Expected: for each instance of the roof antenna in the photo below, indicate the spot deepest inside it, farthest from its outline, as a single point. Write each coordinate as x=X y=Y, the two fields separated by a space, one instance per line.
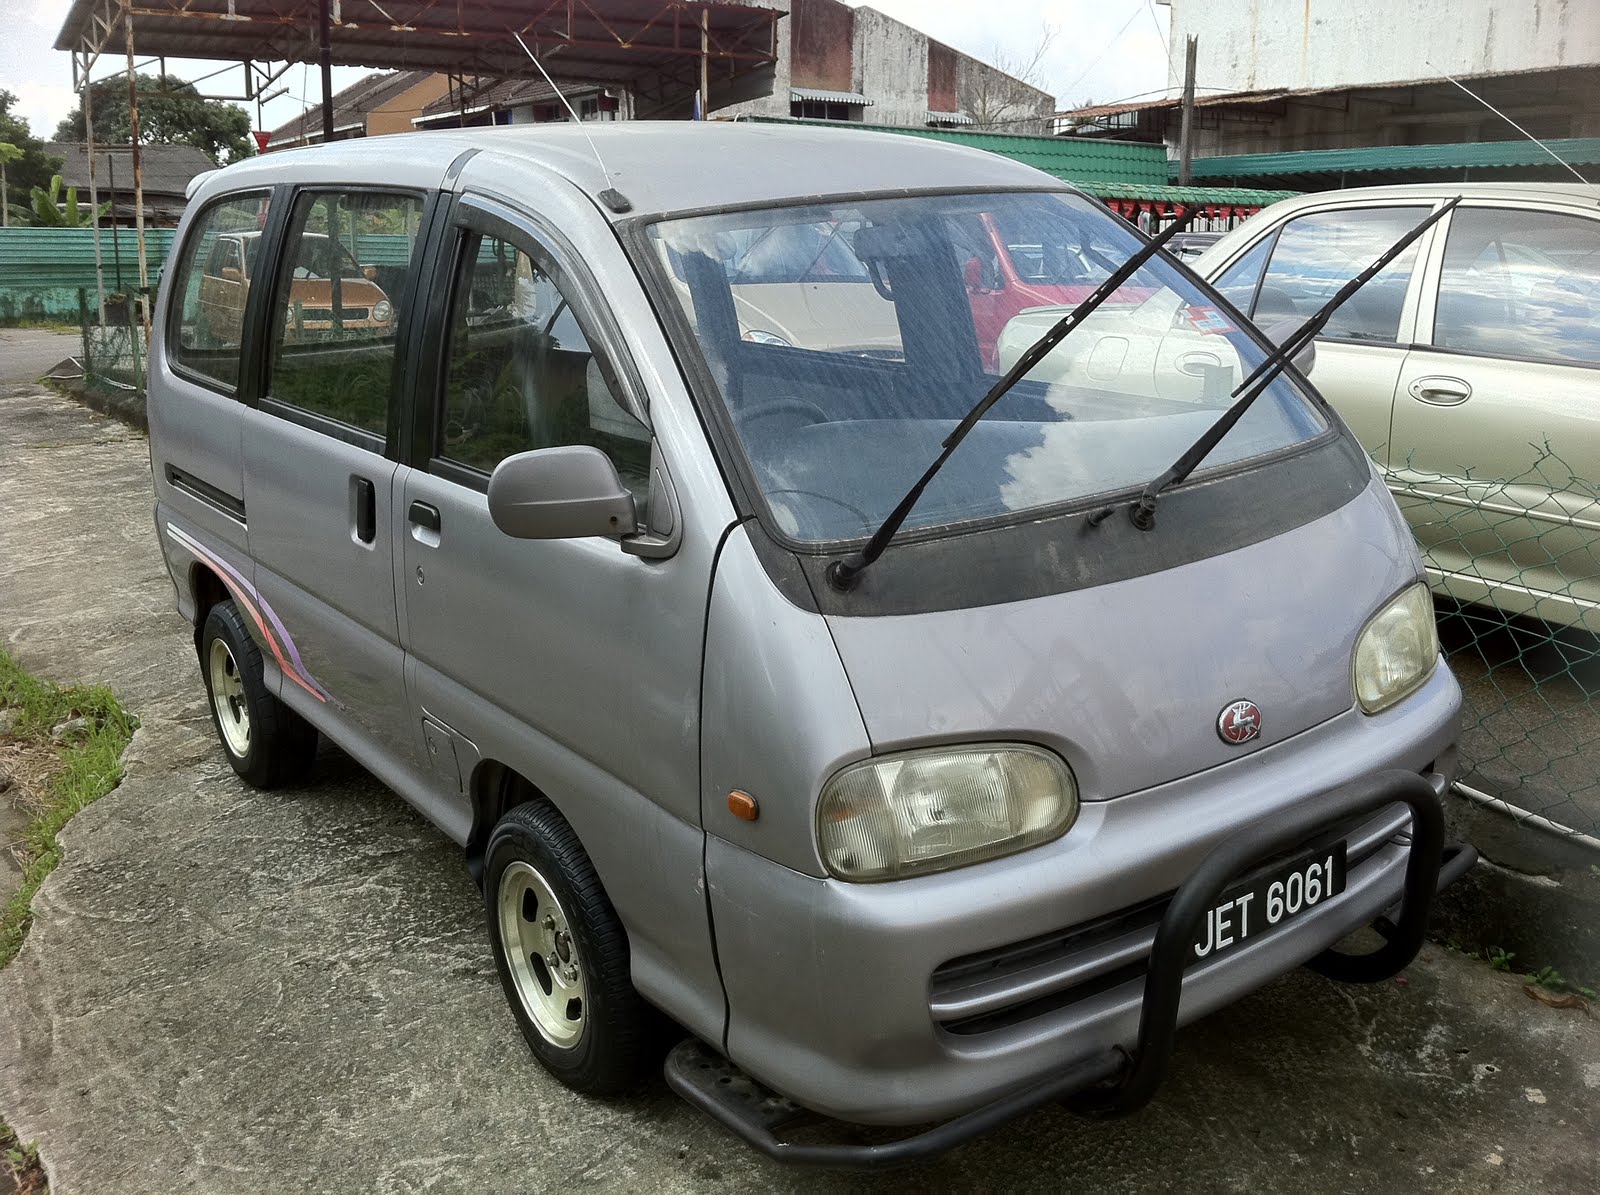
x=611 y=197
x=1559 y=159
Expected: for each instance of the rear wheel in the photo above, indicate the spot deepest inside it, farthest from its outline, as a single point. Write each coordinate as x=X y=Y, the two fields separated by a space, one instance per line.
x=562 y=953
x=267 y=743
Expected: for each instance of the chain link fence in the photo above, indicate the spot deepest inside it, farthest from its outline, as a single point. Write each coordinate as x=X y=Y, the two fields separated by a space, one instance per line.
x=1515 y=567
x=113 y=348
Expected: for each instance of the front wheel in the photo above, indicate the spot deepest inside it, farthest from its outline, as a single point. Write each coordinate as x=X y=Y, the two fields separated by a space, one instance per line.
x=562 y=953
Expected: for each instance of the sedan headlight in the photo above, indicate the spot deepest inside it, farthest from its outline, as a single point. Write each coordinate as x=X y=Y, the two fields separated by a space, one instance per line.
x=940 y=808
x=758 y=336
x=1397 y=651
x=383 y=311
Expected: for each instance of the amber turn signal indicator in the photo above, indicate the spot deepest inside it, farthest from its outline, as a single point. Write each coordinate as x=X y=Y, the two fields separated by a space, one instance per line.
x=743 y=805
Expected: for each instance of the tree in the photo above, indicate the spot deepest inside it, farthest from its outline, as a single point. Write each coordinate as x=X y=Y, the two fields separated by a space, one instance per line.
x=8 y=154
x=171 y=112
x=33 y=168
x=995 y=101
x=49 y=211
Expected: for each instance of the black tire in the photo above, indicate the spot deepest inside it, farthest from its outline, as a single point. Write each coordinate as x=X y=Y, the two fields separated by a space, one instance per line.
x=281 y=744
x=614 y=1044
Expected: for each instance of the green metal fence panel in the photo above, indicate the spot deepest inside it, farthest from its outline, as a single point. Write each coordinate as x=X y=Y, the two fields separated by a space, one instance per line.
x=41 y=269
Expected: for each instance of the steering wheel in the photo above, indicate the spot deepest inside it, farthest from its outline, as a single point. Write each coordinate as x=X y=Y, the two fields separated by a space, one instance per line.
x=781 y=406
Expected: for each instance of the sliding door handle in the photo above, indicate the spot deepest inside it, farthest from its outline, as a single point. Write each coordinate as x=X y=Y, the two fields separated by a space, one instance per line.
x=366 y=513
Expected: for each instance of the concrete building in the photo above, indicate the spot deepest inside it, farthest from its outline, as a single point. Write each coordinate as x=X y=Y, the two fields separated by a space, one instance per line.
x=382 y=102
x=1277 y=77
x=836 y=62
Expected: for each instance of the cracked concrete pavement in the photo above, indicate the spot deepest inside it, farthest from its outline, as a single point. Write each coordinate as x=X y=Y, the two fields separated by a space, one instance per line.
x=234 y=991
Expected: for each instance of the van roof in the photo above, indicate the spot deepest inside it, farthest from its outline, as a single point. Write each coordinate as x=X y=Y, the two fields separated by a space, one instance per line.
x=671 y=166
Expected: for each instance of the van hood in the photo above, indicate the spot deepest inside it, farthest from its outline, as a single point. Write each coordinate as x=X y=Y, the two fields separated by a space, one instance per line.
x=1127 y=680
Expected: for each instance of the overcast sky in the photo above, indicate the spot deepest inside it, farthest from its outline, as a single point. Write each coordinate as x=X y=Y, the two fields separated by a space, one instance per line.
x=1103 y=50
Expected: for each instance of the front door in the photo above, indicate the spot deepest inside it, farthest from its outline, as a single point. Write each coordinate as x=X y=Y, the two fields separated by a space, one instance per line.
x=318 y=476
x=573 y=662
x=1496 y=455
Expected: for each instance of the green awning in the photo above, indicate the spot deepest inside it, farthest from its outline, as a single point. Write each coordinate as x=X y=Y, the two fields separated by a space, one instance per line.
x=1471 y=155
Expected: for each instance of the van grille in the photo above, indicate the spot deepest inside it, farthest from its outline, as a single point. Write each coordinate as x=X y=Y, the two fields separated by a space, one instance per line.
x=1004 y=986
x=326 y=313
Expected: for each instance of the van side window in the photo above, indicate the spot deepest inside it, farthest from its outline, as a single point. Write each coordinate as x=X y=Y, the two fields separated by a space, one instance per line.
x=347 y=261
x=210 y=289
x=520 y=372
x=1521 y=284
x=1317 y=254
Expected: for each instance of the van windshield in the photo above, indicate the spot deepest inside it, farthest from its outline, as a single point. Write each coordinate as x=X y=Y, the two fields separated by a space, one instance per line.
x=846 y=341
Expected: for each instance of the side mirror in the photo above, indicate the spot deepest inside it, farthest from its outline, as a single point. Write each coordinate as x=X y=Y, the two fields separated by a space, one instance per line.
x=560 y=493
x=370 y=273
x=972 y=275
x=232 y=274
x=1279 y=331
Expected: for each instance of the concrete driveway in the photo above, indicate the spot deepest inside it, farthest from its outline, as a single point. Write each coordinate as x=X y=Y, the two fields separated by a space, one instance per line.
x=27 y=354
x=233 y=991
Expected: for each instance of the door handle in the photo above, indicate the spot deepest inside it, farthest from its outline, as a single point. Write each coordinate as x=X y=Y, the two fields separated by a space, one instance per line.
x=424 y=514
x=1440 y=391
x=366 y=509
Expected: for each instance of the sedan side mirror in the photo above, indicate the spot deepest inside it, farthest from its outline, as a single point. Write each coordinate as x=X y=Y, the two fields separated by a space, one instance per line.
x=1280 y=330
x=560 y=493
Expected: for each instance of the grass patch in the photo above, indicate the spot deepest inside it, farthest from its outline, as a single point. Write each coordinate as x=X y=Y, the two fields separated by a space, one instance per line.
x=22 y=1163
x=89 y=768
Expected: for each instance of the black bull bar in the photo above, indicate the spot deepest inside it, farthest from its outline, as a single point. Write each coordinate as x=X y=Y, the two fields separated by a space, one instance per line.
x=1120 y=1081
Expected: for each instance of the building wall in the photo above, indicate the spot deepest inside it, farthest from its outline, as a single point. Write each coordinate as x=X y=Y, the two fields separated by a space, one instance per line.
x=1256 y=45
x=902 y=70
x=394 y=116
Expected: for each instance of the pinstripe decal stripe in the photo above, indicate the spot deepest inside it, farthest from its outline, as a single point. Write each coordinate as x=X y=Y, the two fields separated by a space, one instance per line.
x=248 y=597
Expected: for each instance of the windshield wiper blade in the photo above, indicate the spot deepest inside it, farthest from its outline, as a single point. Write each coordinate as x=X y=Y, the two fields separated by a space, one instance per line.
x=843 y=574
x=1143 y=511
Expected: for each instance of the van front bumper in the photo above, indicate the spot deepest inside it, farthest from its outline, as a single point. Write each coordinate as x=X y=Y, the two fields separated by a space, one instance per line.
x=923 y=999
x=1114 y=1079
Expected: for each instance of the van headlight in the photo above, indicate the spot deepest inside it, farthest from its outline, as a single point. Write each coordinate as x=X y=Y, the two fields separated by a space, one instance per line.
x=1397 y=651
x=943 y=807
x=383 y=311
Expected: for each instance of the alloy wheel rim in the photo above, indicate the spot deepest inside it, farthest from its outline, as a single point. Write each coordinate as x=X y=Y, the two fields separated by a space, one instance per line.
x=227 y=698
x=542 y=955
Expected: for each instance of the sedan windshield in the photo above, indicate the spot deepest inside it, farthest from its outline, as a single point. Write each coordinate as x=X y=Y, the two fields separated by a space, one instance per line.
x=847 y=340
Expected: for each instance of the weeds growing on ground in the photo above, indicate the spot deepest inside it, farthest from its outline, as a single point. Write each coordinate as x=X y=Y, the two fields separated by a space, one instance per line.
x=90 y=768
x=22 y=1162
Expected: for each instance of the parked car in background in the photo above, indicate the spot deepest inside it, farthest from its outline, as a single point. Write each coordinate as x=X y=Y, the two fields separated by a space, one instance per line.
x=1460 y=367
x=324 y=270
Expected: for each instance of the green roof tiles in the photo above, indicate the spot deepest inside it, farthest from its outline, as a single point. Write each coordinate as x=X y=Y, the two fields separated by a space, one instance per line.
x=1380 y=158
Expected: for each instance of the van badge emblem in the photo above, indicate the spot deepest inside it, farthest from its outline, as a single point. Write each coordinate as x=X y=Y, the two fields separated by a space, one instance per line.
x=1239 y=722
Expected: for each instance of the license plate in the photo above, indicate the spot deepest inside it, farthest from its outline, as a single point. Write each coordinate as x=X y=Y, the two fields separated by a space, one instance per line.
x=1278 y=896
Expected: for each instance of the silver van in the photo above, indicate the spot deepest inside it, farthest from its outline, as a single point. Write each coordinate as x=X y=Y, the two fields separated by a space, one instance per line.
x=583 y=573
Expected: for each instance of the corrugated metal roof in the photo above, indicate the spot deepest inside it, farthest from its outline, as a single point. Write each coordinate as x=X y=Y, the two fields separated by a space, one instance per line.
x=1240 y=196
x=829 y=97
x=1469 y=155
x=948 y=118
x=1064 y=157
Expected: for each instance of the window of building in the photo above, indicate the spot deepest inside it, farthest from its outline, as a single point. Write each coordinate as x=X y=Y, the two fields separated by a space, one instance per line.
x=521 y=374
x=1317 y=254
x=210 y=289
x=347 y=268
x=826 y=110
x=1521 y=284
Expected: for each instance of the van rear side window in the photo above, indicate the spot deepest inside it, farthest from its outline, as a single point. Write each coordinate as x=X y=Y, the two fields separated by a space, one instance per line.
x=211 y=287
x=347 y=264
